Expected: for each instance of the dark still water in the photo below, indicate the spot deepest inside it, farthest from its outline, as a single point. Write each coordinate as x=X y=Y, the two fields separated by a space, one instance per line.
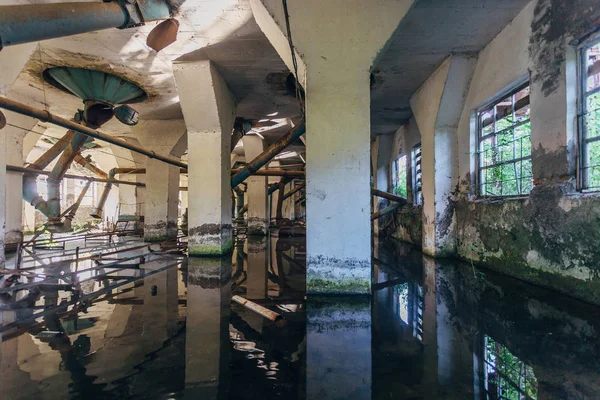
x=432 y=330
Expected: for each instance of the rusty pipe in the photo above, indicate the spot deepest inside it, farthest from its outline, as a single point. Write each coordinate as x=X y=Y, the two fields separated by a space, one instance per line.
x=389 y=196
x=60 y=169
x=46 y=116
x=99 y=211
x=128 y=171
x=273 y=172
x=14 y=168
x=385 y=211
x=267 y=155
x=79 y=159
x=35 y=22
x=260 y=310
x=73 y=209
x=294 y=190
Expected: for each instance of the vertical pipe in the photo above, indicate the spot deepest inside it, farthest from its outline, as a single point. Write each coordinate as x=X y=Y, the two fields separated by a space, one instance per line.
x=58 y=172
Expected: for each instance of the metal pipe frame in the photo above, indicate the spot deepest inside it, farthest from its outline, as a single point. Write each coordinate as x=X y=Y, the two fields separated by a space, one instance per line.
x=389 y=196
x=14 y=168
x=46 y=116
x=294 y=190
x=385 y=211
x=273 y=172
x=267 y=155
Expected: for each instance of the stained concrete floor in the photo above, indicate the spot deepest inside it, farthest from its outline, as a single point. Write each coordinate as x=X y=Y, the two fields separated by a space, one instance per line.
x=432 y=330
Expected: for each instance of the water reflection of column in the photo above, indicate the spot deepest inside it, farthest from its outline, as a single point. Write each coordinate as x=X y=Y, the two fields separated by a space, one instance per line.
x=448 y=353
x=257 y=268
x=338 y=343
x=207 y=327
x=430 y=362
x=160 y=306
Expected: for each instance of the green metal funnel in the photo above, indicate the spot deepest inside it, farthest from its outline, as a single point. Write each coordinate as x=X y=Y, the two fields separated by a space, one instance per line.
x=92 y=85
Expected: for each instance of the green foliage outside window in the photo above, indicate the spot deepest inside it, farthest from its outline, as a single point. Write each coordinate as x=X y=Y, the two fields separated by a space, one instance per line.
x=506 y=376
x=400 y=186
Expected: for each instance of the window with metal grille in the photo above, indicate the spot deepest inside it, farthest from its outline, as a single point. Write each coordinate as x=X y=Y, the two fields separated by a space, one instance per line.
x=400 y=187
x=504 y=138
x=417 y=177
x=589 y=125
x=505 y=376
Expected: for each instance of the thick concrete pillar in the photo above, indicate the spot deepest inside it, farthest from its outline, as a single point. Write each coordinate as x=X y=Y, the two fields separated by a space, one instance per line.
x=553 y=116
x=15 y=135
x=207 y=327
x=257 y=215
x=339 y=41
x=437 y=107
x=209 y=112
x=129 y=203
x=162 y=185
x=12 y=61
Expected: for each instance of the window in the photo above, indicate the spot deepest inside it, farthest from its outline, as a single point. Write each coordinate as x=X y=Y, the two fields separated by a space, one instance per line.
x=504 y=138
x=590 y=116
x=505 y=376
x=416 y=175
x=400 y=187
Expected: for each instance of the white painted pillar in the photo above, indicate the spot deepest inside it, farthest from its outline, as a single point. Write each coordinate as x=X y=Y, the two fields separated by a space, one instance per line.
x=162 y=183
x=209 y=112
x=437 y=107
x=257 y=215
x=339 y=41
x=12 y=61
x=274 y=197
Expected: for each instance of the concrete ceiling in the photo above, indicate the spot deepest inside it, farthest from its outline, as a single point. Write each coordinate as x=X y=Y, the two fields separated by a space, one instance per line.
x=431 y=31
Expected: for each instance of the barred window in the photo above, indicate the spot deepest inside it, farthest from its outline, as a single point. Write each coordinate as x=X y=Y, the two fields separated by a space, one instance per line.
x=504 y=138
x=590 y=116
x=505 y=376
x=417 y=177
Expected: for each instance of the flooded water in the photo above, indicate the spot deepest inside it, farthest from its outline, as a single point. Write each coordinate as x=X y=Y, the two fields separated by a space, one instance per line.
x=432 y=330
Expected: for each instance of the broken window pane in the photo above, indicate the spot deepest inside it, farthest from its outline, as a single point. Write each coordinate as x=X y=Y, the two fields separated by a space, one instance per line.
x=504 y=150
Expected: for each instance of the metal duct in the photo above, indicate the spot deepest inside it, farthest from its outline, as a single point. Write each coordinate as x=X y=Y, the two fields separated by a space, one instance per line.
x=34 y=22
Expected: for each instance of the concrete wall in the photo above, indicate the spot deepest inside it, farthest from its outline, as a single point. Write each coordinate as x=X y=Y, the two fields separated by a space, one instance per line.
x=551 y=237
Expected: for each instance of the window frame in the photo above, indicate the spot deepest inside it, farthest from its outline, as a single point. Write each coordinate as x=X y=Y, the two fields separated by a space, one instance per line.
x=395 y=180
x=582 y=95
x=416 y=186
x=511 y=90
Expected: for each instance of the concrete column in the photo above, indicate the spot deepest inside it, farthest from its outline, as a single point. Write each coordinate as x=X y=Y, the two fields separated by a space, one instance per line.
x=553 y=116
x=437 y=107
x=257 y=190
x=207 y=327
x=129 y=199
x=209 y=112
x=162 y=185
x=12 y=61
x=339 y=41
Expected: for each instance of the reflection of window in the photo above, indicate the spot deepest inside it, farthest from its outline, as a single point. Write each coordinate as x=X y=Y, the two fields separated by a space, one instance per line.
x=416 y=175
x=590 y=116
x=504 y=137
x=410 y=307
x=400 y=187
x=506 y=377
